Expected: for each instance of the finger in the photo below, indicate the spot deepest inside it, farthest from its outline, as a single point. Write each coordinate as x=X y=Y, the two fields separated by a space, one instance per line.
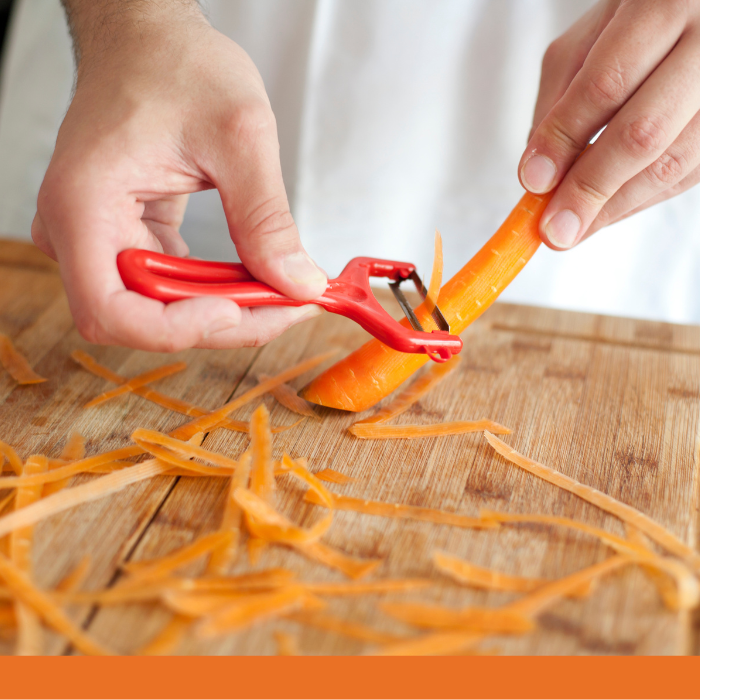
x=260 y=325
x=669 y=169
x=564 y=58
x=635 y=40
x=163 y=217
x=690 y=180
x=247 y=173
x=40 y=236
x=639 y=133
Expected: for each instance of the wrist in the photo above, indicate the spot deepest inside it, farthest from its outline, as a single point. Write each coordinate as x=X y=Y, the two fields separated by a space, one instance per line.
x=102 y=30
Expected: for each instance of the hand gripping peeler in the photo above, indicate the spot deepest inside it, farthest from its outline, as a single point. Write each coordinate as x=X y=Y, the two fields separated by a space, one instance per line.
x=168 y=278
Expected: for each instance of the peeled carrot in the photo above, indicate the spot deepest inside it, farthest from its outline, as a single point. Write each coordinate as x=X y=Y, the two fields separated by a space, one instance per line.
x=16 y=364
x=415 y=391
x=367 y=375
x=608 y=504
x=137 y=382
x=378 y=431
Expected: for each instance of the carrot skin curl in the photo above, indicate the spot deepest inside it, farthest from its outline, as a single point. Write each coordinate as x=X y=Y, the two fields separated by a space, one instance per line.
x=370 y=373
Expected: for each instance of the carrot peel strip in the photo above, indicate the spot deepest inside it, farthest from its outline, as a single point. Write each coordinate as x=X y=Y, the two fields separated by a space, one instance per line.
x=137 y=382
x=378 y=431
x=16 y=364
x=334 y=477
x=288 y=398
x=626 y=513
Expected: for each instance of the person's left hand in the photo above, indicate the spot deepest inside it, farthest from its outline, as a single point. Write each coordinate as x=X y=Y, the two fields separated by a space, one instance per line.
x=634 y=66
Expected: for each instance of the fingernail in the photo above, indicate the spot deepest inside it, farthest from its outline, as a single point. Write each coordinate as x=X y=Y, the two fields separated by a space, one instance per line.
x=562 y=229
x=538 y=174
x=300 y=268
x=304 y=313
x=220 y=324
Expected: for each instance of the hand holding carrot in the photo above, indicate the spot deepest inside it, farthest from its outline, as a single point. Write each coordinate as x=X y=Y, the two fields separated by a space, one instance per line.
x=634 y=67
x=164 y=106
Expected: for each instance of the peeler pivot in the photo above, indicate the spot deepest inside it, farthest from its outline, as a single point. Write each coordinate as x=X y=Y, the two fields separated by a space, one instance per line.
x=168 y=279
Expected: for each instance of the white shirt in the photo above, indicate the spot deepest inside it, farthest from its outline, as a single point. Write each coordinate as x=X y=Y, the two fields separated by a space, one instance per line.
x=396 y=117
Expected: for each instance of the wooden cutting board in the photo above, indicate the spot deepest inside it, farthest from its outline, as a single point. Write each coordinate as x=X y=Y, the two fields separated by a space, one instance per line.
x=612 y=402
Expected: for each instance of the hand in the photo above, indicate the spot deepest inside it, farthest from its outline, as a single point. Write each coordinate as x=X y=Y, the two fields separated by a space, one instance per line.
x=165 y=106
x=634 y=66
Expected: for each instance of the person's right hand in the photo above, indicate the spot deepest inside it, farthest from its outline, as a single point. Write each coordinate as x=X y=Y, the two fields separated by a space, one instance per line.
x=164 y=106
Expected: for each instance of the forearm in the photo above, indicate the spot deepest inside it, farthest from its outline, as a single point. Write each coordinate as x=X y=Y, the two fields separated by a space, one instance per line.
x=98 y=26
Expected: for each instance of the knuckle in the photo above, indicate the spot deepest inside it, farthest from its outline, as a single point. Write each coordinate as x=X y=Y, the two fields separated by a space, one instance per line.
x=271 y=218
x=606 y=87
x=667 y=169
x=89 y=328
x=553 y=54
x=559 y=137
x=248 y=122
x=644 y=136
x=590 y=192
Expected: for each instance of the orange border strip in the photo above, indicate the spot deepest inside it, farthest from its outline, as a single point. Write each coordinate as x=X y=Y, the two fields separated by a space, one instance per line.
x=352 y=677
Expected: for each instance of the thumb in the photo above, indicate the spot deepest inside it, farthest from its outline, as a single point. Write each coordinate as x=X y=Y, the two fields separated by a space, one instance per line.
x=248 y=177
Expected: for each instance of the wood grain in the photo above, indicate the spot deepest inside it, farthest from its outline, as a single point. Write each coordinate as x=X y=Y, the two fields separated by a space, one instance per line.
x=612 y=402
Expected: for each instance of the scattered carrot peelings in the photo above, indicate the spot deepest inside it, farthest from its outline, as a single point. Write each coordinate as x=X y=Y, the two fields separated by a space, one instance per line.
x=47 y=609
x=16 y=364
x=334 y=477
x=378 y=431
x=436 y=644
x=242 y=614
x=487 y=579
x=262 y=480
x=665 y=584
x=186 y=449
x=169 y=402
x=73 y=451
x=288 y=398
x=626 y=513
x=29 y=641
x=346 y=628
x=205 y=423
x=137 y=382
x=170 y=637
x=72 y=582
x=231 y=520
x=151 y=569
x=414 y=392
x=13 y=459
x=72 y=469
x=70 y=498
x=397 y=510
x=286 y=644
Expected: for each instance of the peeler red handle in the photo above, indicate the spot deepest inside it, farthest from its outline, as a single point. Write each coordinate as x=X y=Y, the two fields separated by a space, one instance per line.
x=168 y=279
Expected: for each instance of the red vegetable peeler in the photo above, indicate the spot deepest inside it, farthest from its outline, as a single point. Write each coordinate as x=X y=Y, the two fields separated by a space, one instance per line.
x=167 y=278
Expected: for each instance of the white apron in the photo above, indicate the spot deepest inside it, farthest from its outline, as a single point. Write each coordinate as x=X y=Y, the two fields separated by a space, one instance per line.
x=396 y=117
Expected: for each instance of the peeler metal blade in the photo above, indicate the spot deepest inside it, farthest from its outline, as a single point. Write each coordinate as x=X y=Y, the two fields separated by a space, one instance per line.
x=437 y=315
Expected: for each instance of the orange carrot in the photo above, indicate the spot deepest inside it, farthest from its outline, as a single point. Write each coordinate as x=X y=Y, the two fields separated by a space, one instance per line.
x=378 y=431
x=16 y=364
x=608 y=504
x=415 y=391
x=366 y=376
